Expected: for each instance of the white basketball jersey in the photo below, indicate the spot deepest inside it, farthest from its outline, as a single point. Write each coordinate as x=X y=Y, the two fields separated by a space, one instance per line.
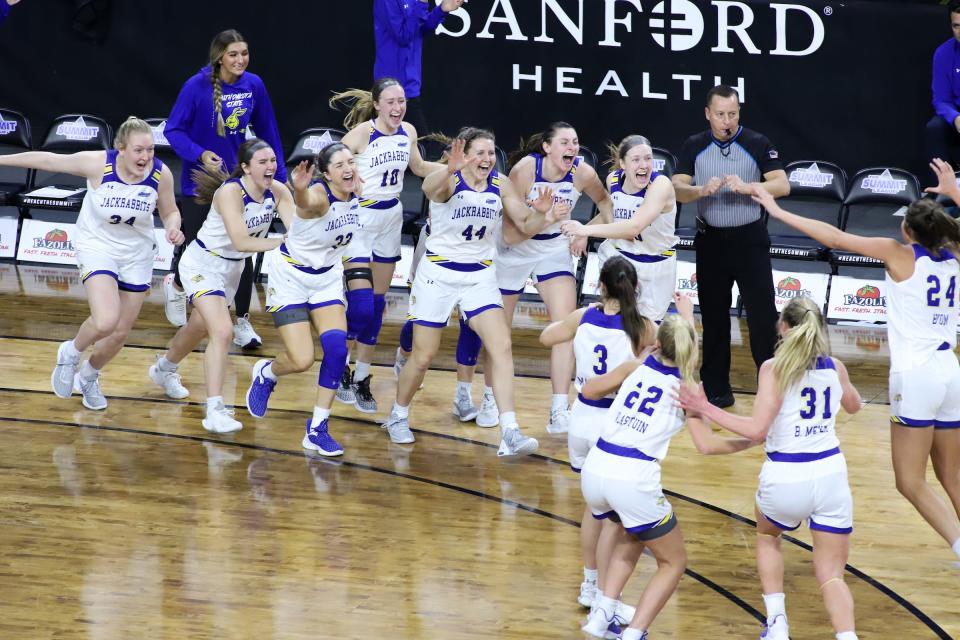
x=600 y=345
x=808 y=417
x=120 y=214
x=462 y=228
x=550 y=238
x=657 y=239
x=320 y=242
x=383 y=163
x=922 y=310
x=642 y=415
x=256 y=215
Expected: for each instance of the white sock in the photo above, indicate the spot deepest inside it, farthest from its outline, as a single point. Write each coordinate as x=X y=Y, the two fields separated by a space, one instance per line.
x=847 y=635
x=775 y=603
x=488 y=391
x=508 y=419
x=590 y=575
x=362 y=371
x=87 y=372
x=956 y=547
x=609 y=605
x=463 y=388
x=632 y=634
x=319 y=415
x=213 y=402
x=348 y=358
x=560 y=402
x=165 y=365
x=400 y=412
x=70 y=349
x=267 y=372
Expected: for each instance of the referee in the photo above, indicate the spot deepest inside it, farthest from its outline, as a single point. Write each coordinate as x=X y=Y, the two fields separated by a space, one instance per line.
x=719 y=168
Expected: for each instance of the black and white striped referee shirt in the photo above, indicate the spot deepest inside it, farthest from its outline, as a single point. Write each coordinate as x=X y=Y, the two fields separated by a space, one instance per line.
x=748 y=154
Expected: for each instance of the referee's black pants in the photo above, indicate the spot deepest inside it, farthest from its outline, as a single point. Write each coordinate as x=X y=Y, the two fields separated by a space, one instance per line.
x=724 y=256
x=192 y=215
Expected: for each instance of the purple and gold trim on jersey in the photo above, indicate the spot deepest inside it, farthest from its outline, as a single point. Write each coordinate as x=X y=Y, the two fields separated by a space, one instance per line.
x=458 y=266
x=376 y=133
x=110 y=172
x=379 y=204
x=619 y=178
x=645 y=258
x=493 y=183
x=214 y=253
x=207 y=292
x=299 y=266
x=122 y=286
x=566 y=178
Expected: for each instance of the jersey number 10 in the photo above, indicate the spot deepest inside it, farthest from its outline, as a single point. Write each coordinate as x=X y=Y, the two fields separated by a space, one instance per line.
x=393 y=176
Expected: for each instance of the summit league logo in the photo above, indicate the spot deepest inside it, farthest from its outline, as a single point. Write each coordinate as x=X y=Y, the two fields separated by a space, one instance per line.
x=811 y=177
x=719 y=26
x=884 y=183
x=77 y=130
x=7 y=126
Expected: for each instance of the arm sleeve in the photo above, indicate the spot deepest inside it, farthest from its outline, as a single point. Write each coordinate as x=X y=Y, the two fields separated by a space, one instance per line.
x=768 y=157
x=944 y=100
x=265 y=124
x=433 y=20
x=686 y=161
x=178 y=126
x=402 y=20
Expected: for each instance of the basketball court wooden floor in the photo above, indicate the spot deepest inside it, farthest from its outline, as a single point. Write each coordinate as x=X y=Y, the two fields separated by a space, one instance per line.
x=135 y=523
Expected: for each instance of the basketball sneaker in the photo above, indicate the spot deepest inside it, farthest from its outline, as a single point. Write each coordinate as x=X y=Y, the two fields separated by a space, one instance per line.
x=220 y=420
x=319 y=439
x=514 y=443
x=64 y=372
x=399 y=429
x=345 y=392
x=258 y=395
x=489 y=414
x=93 y=398
x=243 y=334
x=559 y=421
x=463 y=406
x=169 y=380
x=601 y=624
x=365 y=401
x=174 y=302
x=776 y=630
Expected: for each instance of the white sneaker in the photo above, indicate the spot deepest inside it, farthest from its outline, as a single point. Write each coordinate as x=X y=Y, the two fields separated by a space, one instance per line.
x=62 y=379
x=601 y=624
x=399 y=429
x=559 y=421
x=464 y=408
x=514 y=443
x=588 y=593
x=243 y=334
x=169 y=380
x=625 y=611
x=220 y=420
x=489 y=414
x=174 y=302
x=779 y=630
x=93 y=398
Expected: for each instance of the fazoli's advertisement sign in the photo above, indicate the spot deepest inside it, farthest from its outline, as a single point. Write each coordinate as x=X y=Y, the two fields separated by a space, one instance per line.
x=53 y=243
x=857 y=299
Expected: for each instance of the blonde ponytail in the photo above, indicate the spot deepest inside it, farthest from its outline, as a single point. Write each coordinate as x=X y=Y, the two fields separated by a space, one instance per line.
x=678 y=343
x=803 y=342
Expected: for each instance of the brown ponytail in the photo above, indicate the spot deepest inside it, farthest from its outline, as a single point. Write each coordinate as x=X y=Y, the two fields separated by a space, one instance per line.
x=362 y=103
x=208 y=181
x=534 y=144
x=932 y=227
x=619 y=280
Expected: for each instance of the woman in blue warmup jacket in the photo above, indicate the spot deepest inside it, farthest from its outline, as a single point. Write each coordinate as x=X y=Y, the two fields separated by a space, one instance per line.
x=206 y=127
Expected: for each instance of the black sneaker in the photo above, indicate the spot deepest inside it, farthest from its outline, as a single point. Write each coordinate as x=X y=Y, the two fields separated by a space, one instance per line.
x=364 y=399
x=345 y=390
x=723 y=401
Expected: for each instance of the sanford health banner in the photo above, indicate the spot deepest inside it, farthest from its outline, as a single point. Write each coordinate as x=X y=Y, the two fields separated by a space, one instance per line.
x=615 y=67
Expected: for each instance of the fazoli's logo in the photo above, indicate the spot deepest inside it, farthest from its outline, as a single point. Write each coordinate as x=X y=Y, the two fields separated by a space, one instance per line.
x=866 y=296
x=54 y=240
x=791 y=287
x=687 y=284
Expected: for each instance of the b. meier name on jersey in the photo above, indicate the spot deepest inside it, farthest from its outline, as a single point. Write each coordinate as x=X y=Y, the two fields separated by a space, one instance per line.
x=120 y=202
x=475 y=212
x=343 y=221
x=390 y=156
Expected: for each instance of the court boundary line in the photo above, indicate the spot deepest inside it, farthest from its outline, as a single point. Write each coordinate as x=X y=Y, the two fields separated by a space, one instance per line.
x=865 y=577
